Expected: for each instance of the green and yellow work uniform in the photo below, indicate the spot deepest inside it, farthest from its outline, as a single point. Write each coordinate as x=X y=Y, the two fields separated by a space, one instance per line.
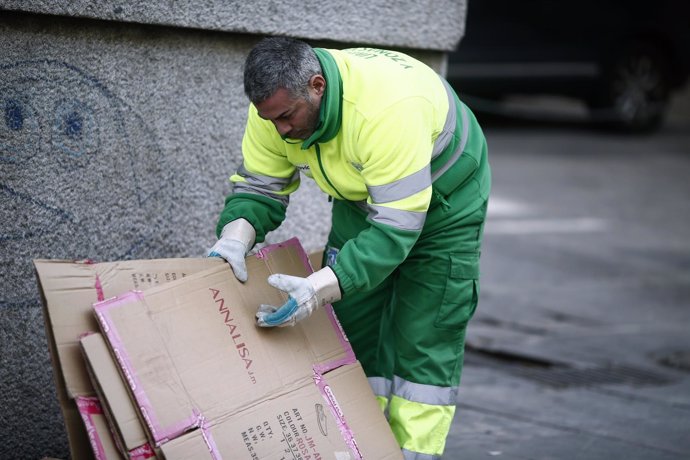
x=406 y=164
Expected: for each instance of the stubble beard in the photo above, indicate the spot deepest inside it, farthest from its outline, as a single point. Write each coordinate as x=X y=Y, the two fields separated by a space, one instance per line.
x=312 y=118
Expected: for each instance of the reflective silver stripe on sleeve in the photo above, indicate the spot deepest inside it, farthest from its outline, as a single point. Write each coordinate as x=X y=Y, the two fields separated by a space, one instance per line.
x=446 y=134
x=264 y=185
x=401 y=188
x=273 y=184
x=403 y=220
x=459 y=149
x=381 y=386
x=425 y=394
x=242 y=187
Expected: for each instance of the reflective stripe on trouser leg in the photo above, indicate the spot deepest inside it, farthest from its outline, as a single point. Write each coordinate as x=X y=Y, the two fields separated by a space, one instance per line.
x=409 y=455
x=382 y=390
x=420 y=417
x=420 y=429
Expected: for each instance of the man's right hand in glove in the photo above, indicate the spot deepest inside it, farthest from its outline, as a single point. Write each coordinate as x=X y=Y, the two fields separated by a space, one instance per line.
x=236 y=239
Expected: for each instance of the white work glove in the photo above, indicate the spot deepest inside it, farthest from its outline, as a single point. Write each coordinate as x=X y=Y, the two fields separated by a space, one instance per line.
x=305 y=296
x=236 y=239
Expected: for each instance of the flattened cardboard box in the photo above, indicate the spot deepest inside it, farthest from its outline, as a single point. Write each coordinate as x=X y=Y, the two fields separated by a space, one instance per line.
x=114 y=398
x=99 y=430
x=68 y=290
x=210 y=384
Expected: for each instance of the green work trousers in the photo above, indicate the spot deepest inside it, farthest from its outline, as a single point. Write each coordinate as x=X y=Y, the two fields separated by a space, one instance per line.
x=409 y=331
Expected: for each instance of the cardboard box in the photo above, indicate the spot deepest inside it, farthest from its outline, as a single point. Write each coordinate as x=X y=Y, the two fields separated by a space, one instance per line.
x=113 y=395
x=68 y=290
x=211 y=384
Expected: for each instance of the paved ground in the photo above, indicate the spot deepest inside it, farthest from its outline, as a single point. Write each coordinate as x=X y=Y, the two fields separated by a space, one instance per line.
x=580 y=348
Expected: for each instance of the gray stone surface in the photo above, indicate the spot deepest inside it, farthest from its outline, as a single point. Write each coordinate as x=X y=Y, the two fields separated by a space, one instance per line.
x=435 y=25
x=117 y=140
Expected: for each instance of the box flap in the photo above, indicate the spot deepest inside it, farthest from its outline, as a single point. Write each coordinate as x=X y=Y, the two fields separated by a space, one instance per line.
x=69 y=290
x=191 y=351
x=336 y=419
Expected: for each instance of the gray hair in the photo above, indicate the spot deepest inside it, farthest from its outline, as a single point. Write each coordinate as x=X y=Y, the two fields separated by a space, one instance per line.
x=279 y=62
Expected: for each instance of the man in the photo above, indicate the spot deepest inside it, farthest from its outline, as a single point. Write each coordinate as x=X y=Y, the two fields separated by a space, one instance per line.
x=405 y=163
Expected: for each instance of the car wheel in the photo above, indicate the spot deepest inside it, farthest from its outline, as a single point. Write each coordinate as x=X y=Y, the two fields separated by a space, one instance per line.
x=634 y=92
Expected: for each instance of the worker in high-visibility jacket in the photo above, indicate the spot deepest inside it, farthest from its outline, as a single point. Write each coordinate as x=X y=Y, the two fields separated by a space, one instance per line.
x=405 y=163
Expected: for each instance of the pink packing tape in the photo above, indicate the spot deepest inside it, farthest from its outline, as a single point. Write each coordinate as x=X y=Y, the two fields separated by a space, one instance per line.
x=349 y=357
x=97 y=284
x=143 y=452
x=160 y=433
x=99 y=289
x=89 y=406
x=208 y=439
x=345 y=431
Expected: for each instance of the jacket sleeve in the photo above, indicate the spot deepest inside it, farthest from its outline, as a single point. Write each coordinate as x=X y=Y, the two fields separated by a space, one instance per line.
x=394 y=150
x=263 y=182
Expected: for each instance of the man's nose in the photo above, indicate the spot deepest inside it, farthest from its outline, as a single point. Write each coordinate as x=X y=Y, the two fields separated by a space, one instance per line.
x=282 y=127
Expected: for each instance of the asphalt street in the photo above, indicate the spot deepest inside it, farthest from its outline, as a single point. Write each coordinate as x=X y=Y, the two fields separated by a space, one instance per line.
x=580 y=347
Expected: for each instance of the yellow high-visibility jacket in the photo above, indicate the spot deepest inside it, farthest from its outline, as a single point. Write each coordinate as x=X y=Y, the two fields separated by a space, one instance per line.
x=389 y=126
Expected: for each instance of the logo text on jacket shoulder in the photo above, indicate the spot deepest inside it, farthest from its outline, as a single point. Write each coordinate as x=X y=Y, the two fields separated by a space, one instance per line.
x=370 y=53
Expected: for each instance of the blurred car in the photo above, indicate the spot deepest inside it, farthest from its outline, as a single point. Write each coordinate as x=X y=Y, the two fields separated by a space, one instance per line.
x=623 y=58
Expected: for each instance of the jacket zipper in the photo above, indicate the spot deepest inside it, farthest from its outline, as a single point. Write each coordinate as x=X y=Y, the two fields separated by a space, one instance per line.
x=323 y=172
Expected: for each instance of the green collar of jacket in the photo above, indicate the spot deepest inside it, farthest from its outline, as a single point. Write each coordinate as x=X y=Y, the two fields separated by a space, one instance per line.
x=331 y=111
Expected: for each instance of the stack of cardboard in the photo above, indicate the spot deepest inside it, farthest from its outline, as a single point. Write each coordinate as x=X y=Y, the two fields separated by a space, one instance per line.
x=162 y=358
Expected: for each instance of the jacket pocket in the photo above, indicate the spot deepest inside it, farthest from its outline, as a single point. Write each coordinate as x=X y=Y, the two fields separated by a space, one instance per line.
x=461 y=291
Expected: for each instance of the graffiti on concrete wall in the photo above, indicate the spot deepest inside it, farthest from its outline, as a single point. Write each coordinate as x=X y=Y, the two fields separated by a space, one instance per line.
x=82 y=174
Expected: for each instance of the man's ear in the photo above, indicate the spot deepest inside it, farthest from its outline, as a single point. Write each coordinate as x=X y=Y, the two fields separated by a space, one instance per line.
x=318 y=84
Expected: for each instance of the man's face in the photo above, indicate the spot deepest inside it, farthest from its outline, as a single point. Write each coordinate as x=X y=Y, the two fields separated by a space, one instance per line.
x=294 y=118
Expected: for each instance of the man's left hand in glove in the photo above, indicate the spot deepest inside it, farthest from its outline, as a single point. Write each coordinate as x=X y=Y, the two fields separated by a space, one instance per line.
x=305 y=296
